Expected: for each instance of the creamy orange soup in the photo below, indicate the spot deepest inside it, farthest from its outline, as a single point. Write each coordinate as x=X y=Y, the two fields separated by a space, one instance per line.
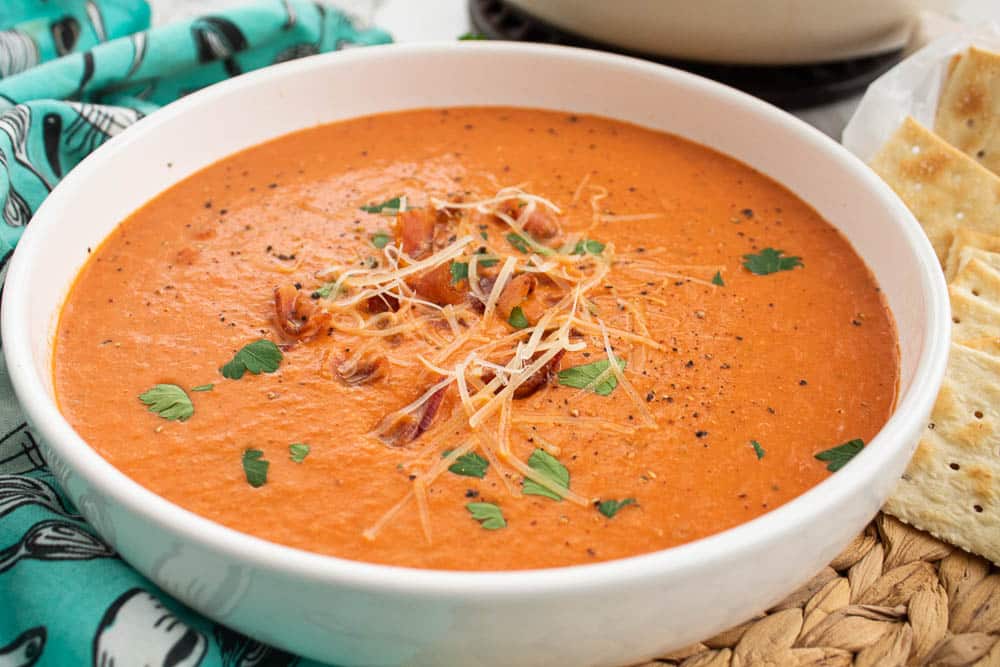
x=478 y=339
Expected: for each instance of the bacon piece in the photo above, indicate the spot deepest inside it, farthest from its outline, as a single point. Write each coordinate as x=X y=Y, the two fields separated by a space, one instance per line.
x=405 y=429
x=540 y=224
x=365 y=369
x=538 y=379
x=415 y=231
x=515 y=293
x=296 y=315
x=436 y=286
x=383 y=303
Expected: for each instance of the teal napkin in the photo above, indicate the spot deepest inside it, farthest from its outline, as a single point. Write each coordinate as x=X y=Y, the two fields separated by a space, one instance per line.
x=74 y=73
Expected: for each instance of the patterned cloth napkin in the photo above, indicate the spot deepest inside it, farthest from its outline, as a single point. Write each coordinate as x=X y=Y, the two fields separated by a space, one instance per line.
x=74 y=73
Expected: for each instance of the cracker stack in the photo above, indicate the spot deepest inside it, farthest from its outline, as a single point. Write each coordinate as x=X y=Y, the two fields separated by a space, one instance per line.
x=949 y=180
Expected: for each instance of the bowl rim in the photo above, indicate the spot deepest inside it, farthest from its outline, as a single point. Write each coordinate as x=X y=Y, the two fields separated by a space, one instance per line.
x=44 y=415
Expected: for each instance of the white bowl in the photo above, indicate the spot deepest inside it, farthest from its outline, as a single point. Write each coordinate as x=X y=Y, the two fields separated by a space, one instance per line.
x=355 y=613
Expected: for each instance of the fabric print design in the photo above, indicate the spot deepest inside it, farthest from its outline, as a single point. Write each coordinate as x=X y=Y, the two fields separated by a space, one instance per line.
x=18 y=52
x=138 y=630
x=25 y=650
x=16 y=124
x=65 y=34
x=19 y=490
x=240 y=651
x=218 y=39
x=97 y=21
x=95 y=124
x=19 y=452
x=54 y=540
x=16 y=211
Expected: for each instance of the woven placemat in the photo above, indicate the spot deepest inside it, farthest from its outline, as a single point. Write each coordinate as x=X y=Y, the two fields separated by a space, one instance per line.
x=894 y=597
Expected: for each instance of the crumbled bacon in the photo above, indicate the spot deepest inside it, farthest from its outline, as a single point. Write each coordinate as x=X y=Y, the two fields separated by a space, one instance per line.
x=296 y=315
x=399 y=430
x=437 y=287
x=538 y=379
x=364 y=369
x=383 y=303
x=515 y=293
x=540 y=224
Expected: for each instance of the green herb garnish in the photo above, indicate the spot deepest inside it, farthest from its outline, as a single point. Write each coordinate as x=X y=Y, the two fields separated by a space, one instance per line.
x=326 y=290
x=585 y=246
x=770 y=260
x=298 y=451
x=381 y=239
x=203 y=387
x=837 y=457
x=169 y=401
x=717 y=279
x=579 y=377
x=543 y=462
x=388 y=207
x=468 y=465
x=526 y=244
x=260 y=356
x=459 y=272
x=758 y=450
x=488 y=515
x=609 y=508
x=254 y=467
x=517 y=318
x=472 y=36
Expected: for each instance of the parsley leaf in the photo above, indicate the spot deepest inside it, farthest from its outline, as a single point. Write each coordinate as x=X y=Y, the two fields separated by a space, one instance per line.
x=517 y=318
x=388 y=207
x=381 y=239
x=770 y=260
x=255 y=468
x=543 y=462
x=298 y=451
x=472 y=36
x=609 y=508
x=203 y=387
x=758 y=450
x=579 y=377
x=526 y=244
x=459 y=272
x=584 y=246
x=717 y=279
x=257 y=357
x=488 y=515
x=837 y=457
x=169 y=401
x=468 y=465
x=325 y=291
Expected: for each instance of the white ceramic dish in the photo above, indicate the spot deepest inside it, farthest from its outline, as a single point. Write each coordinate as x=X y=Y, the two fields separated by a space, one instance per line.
x=354 y=613
x=766 y=32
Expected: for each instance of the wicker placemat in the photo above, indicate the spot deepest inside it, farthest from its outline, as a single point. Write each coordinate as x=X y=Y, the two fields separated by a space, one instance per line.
x=894 y=597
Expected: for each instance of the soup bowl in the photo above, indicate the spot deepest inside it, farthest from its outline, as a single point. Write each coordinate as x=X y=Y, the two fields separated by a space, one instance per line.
x=355 y=613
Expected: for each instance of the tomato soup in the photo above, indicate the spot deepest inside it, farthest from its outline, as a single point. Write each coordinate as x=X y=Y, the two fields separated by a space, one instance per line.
x=477 y=339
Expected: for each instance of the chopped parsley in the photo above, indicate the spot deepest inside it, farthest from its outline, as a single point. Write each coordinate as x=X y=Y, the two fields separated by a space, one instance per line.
x=388 y=207
x=260 y=356
x=459 y=272
x=298 y=451
x=770 y=260
x=381 y=239
x=524 y=243
x=758 y=450
x=579 y=377
x=517 y=318
x=169 y=401
x=470 y=464
x=609 y=508
x=588 y=246
x=255 y=468
x=203 y=387
x=837 y=457
x=326 y=290
x=472 y=36
x=488 y=515
x=717 y=279
x=548 y=465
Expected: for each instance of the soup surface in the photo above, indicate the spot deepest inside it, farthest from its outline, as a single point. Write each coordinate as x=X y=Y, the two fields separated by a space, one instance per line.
x=570 y=340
